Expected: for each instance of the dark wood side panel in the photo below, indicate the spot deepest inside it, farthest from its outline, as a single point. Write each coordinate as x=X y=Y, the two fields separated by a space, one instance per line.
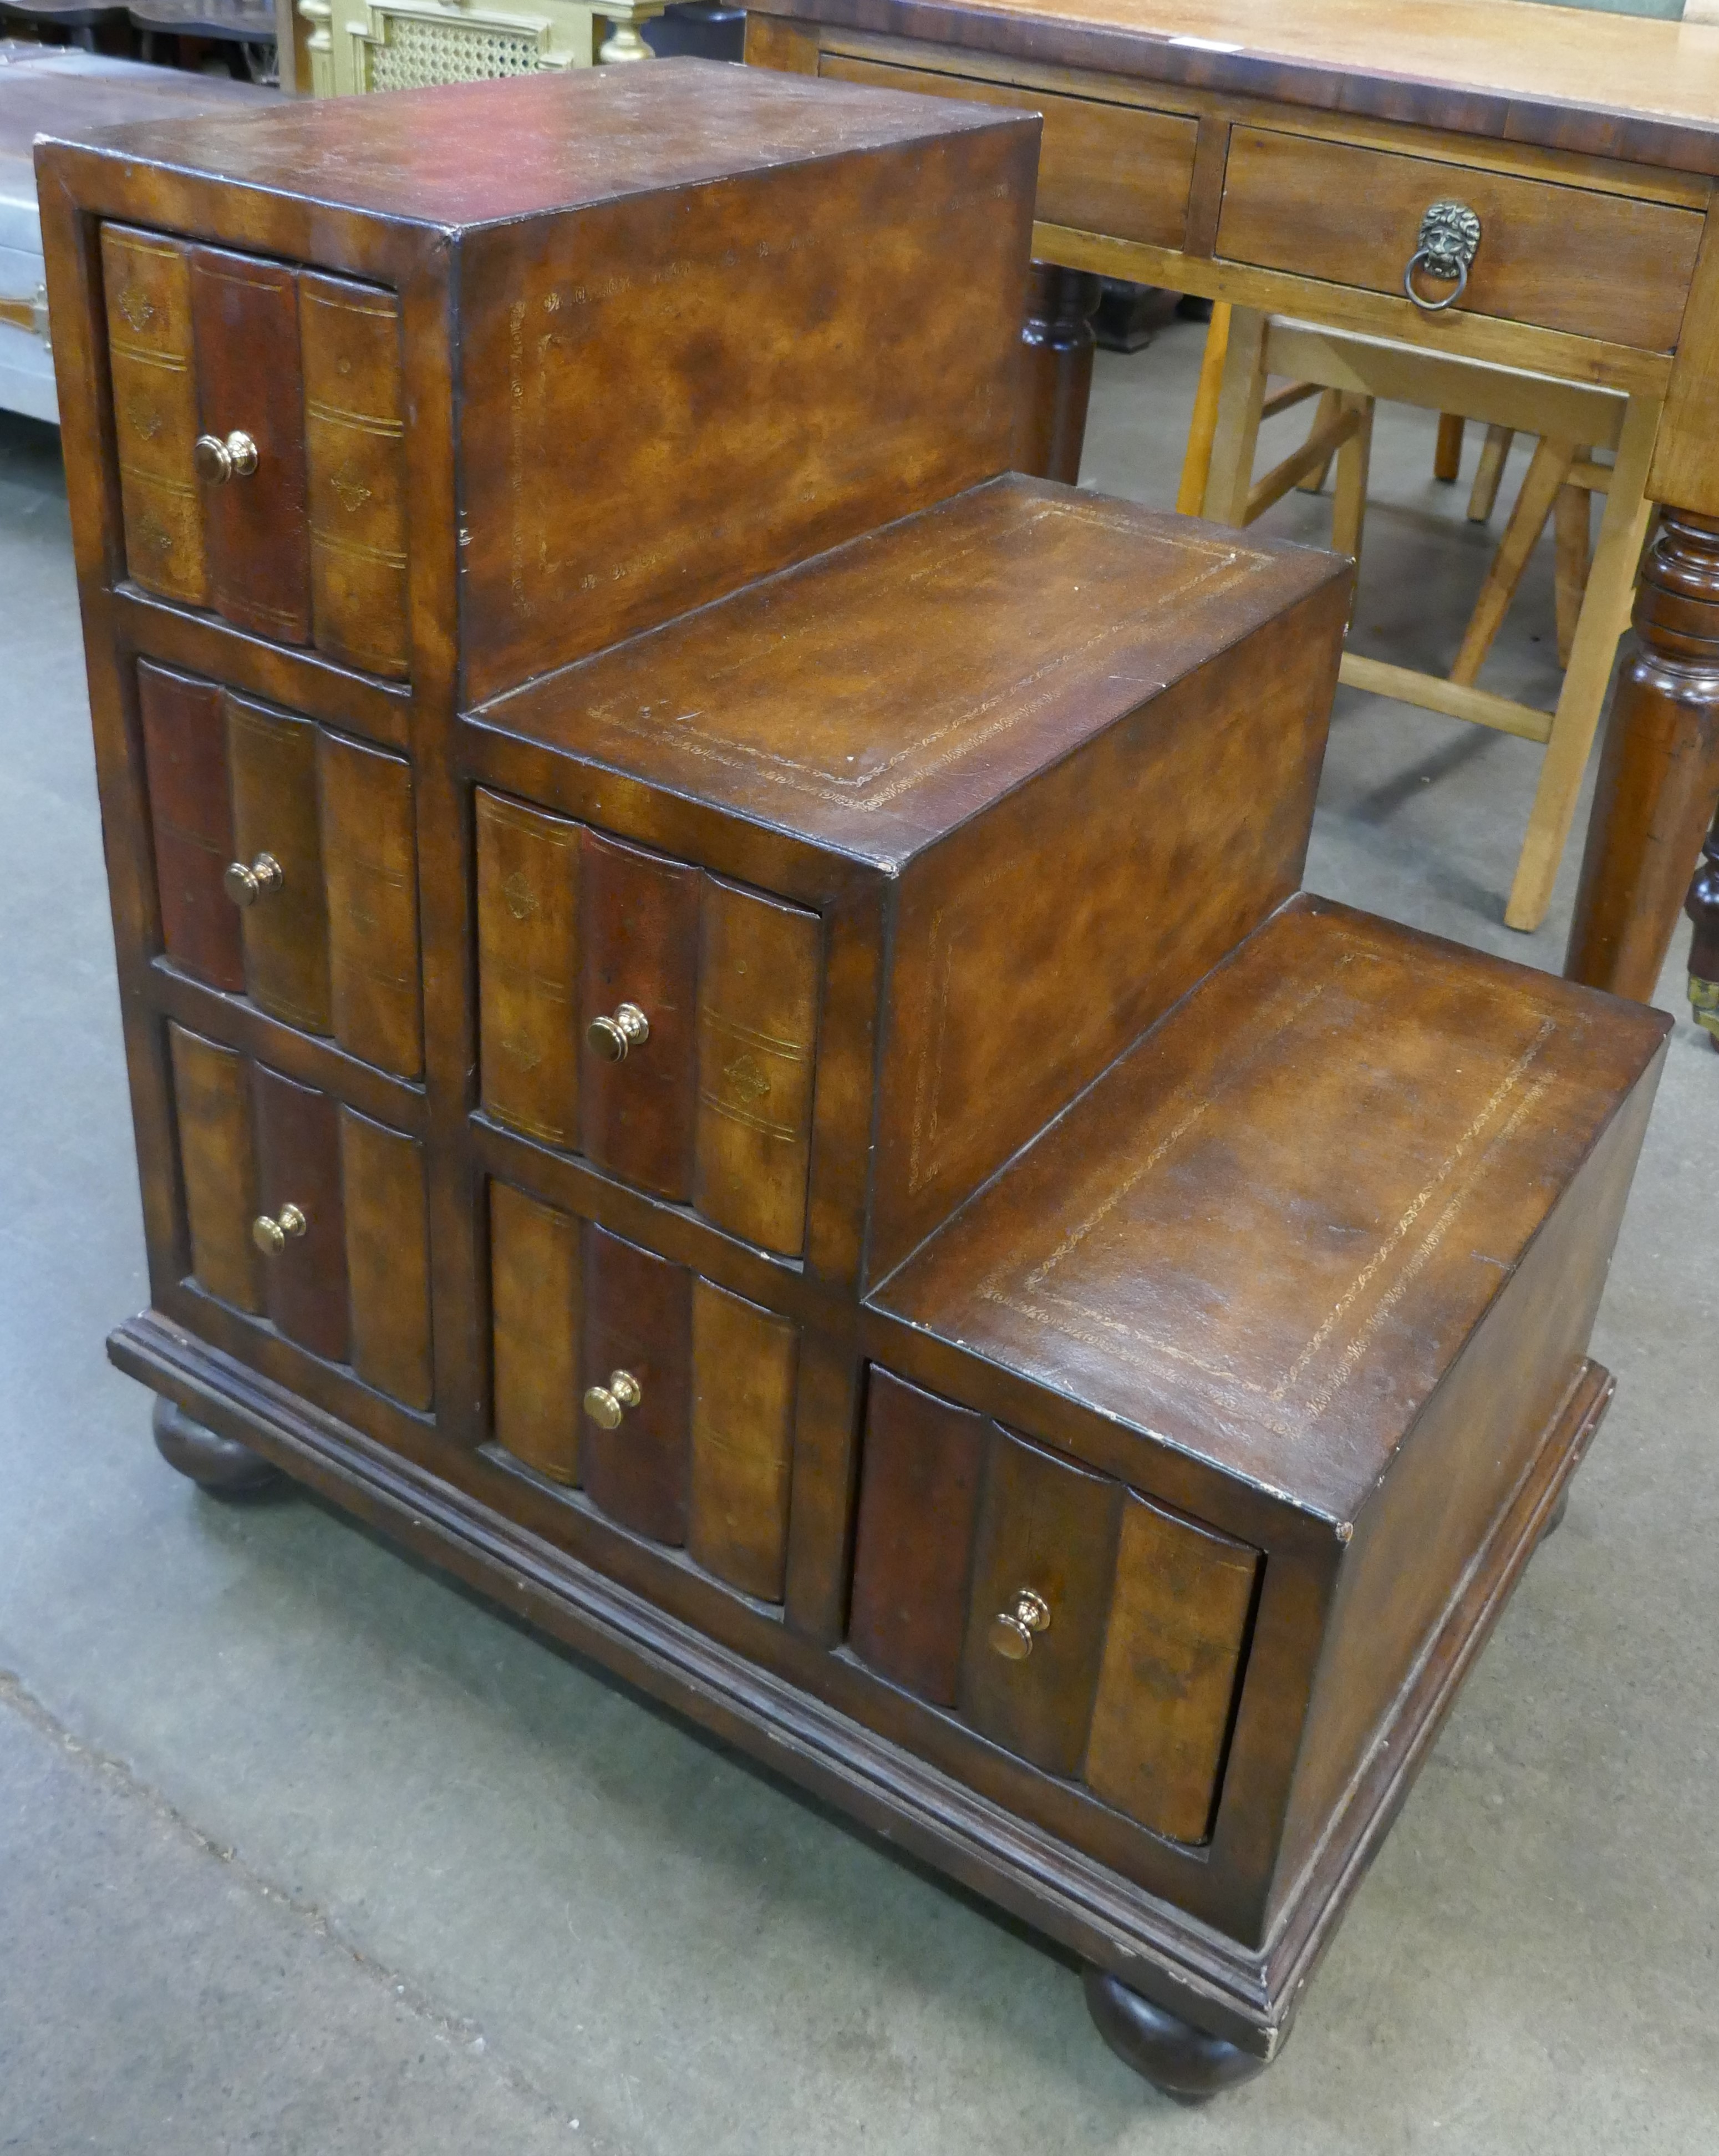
x=757 y=1024
x=388 y=1257
x=1106 y=168
x=1034 y=943
x=639 y=917
x=1048 y=1528
x=191 y=819
x=245 y=314
x=370 y=868
x=1172 y=1657
x=1456 y=1468
x=152 y=358
x=355 y=454
x=272 y=759
x=639 y=1319
x=743 y=1369
x=784 y=389
x=298 y=1163
x=528 y=968
x=537 y=1293
x=217 y=1160
x=919 y=1490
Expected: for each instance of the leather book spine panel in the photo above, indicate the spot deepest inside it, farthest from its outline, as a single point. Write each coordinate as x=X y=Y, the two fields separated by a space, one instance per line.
x=191 y=820
x=298 y=1163
x=272 y=759
x=1048 y=1529
x=1171 y=1658
x=355 y=455
x=151 y=358
x=919 y=1491
x=757 y=1027
x=744 y=1363
x=638 y=1319
x=386 y=1213
x=245 y=314
x=217 y=1161
x=528 y=969
x=641 y=917
x=370 y=871
x=536 y=1296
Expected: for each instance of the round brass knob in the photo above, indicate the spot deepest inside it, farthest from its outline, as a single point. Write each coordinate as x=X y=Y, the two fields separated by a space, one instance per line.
x=217 y=461
x=612 y=1037
x=606 y=1404
x=244 y=885
x=1012 y=1630
x=270 y=1236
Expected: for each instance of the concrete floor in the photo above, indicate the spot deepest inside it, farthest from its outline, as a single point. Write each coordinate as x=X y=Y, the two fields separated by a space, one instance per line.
x=301 y=1849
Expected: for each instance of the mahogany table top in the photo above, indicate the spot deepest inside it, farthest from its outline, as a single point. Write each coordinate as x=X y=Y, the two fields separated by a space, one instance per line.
x=1609 y=86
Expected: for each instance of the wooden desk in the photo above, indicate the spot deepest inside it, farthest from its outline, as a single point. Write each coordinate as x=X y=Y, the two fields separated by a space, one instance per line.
x=1282 y=158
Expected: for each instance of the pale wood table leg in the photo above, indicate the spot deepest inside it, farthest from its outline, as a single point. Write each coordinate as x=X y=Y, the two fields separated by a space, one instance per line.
x=1196 y=458
x=1058 y=370
x=1659 y=778
x=1572 y=527
x=1485 y=491
x=1540 y=489
x=1605 y=614
x=1236 y=435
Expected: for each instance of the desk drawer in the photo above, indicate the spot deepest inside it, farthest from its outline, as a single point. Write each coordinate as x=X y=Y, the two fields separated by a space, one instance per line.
x=1106 y=168
x=1563 y=258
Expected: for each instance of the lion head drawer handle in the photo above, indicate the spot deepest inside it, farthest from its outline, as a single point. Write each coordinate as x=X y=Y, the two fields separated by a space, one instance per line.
x=1012 y=1630
x=612 y=1037
x=606 y=1404
x=218 y=460
x=244 y=885
x=1450 y=235
x=270 y=1236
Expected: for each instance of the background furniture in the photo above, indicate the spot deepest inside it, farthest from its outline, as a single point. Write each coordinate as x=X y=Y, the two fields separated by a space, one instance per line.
x=1280 y=158
x=411 y=45
x=590 y=1112
x=1572 y=420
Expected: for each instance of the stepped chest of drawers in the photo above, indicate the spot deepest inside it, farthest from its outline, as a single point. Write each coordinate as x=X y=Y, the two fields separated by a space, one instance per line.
x=722 y=1033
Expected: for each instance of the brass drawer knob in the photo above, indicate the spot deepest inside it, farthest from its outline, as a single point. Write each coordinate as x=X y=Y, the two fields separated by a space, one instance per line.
x=612 y=1037
x=606 y=1404
x=244 y=885
x=1013 y=1630
x=270 y=1236
x=217 y=461
x=1450 y=235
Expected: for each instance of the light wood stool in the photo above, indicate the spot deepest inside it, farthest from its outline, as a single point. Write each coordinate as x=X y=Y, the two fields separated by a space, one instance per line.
x=1572 y=421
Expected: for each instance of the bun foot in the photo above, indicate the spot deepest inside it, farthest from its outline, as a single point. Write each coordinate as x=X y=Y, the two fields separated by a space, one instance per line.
x=1187 y=2064
x=219 y=1464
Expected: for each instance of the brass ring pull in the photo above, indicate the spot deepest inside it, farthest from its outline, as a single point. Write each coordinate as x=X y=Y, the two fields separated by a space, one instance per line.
x=1450 y=235
x=1012 y=1630
x=217 y=461
x=612 y=1037
x=270 y=1236
x=244 y=885
x=606 y=1404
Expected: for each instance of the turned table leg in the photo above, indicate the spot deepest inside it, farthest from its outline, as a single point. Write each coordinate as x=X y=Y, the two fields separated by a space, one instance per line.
x=1057 y=371
x=1658 y=777
x=1702 y=907
x=1187 y=2064
x=219 y=1464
